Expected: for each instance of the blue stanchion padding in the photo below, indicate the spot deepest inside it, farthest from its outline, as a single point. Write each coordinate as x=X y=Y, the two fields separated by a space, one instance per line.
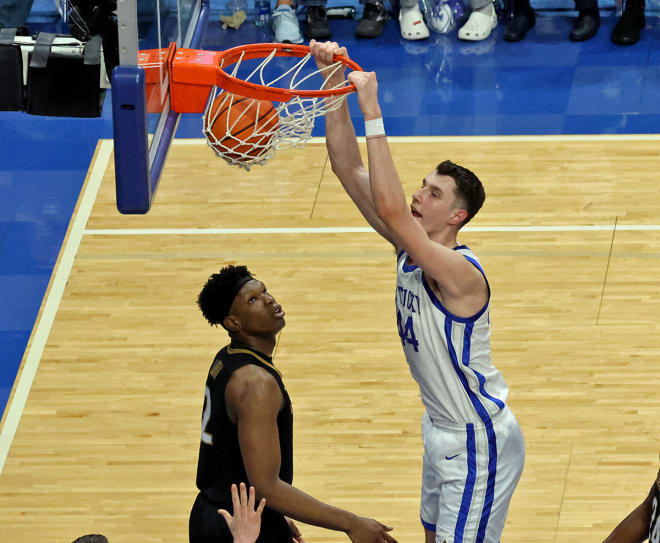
x=129 y=120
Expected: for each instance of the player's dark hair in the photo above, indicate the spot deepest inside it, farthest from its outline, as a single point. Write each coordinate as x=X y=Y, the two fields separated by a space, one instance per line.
x=92 y=538
x=219 y=292
x=468 y=187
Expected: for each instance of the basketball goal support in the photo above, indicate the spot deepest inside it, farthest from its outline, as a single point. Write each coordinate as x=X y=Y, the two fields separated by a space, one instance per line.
x=137 y=166
x=190 y=76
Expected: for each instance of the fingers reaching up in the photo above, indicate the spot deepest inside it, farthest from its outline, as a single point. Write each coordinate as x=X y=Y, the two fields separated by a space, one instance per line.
x=246 y=522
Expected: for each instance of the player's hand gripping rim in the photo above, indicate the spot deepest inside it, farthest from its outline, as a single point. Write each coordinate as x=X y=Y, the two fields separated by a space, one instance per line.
x=323 y=55
x=366 y=85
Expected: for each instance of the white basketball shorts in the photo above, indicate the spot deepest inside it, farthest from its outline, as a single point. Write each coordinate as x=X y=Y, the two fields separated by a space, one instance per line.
x=469 y=474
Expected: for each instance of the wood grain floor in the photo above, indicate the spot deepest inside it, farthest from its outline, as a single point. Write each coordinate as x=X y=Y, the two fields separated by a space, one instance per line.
x=108 y=439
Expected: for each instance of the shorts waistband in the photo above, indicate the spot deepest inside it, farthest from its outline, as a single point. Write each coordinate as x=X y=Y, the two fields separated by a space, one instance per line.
x=461 y=426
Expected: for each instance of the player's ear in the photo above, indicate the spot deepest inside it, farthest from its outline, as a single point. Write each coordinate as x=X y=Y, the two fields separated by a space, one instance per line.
x=459 y=216
x=232 y=323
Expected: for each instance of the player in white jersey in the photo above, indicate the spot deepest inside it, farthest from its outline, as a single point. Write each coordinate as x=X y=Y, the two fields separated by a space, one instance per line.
x=473 y=446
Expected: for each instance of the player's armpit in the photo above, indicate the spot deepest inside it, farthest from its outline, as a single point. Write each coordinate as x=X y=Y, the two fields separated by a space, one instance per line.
x=455 y=276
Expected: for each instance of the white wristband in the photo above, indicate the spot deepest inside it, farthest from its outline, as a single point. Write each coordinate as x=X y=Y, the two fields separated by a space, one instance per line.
x=374 y=128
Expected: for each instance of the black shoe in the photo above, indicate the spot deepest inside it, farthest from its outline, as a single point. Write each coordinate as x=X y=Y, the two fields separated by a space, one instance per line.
x=317 y=23
x=628 y=27
x=585 y=26
x=519 y=24
x=373 y=21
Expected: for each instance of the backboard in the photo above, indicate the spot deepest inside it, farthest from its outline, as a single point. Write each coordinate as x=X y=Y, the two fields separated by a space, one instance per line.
x=140 y=102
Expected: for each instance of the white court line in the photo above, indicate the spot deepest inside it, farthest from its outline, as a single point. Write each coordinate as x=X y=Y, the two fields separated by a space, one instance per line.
x=463 y=139
x=52 y=302
x=229 y=231
x=350 y=230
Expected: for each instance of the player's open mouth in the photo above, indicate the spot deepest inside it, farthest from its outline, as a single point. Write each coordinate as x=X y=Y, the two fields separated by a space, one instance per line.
x=279 y=312
x=414 y=213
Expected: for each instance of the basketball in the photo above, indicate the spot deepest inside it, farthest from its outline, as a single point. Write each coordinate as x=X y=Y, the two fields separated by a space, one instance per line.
x=240 y=129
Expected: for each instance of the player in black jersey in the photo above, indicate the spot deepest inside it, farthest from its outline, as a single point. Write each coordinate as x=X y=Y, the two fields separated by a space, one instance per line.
x=643 y=523
x=247 y=424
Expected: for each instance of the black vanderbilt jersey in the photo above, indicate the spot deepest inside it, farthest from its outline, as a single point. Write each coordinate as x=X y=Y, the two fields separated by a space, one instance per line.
x=220 y=462
x=654 y=524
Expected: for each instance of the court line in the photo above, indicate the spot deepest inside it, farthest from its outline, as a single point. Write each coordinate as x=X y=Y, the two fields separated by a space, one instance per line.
x=52 y=301
x=351 y=230
x=463 y=139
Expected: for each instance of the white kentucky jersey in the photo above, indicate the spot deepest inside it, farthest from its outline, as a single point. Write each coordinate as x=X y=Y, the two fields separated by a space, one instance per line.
x=449 y=356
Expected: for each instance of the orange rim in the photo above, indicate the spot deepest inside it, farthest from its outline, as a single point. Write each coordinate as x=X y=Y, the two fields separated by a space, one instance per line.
x=262 y=50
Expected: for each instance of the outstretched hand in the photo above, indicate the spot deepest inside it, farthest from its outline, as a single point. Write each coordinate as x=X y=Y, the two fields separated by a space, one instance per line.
x=368 y=530
x=246 y=522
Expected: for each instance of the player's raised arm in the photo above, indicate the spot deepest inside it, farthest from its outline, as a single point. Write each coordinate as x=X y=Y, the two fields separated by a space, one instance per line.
x=342 y=143
x=256 y=420
x=427 y=228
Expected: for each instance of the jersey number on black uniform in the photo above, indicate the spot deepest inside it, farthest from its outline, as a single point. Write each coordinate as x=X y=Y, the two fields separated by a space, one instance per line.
x=206 y=417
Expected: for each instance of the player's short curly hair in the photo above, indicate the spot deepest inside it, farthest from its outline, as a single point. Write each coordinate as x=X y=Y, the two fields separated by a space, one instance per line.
x=92 y=538
x=468 y=187
x=219 y=292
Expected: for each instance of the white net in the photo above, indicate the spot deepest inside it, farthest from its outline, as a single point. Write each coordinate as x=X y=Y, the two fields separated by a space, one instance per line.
x=241 y=130
x=248 y=131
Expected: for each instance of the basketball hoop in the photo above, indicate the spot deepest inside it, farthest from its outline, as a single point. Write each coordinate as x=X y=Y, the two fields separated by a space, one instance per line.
x=283 y=74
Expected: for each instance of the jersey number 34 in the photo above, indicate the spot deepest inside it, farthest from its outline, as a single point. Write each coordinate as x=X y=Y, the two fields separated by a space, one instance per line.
x=406 y=331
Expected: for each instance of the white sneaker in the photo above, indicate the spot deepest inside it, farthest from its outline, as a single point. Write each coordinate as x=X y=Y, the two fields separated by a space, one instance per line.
x=412 y=24
x=480 y=24
x=285 y=25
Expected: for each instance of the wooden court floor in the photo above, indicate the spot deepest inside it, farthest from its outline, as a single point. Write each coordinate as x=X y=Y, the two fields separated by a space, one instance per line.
x=108 y=437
